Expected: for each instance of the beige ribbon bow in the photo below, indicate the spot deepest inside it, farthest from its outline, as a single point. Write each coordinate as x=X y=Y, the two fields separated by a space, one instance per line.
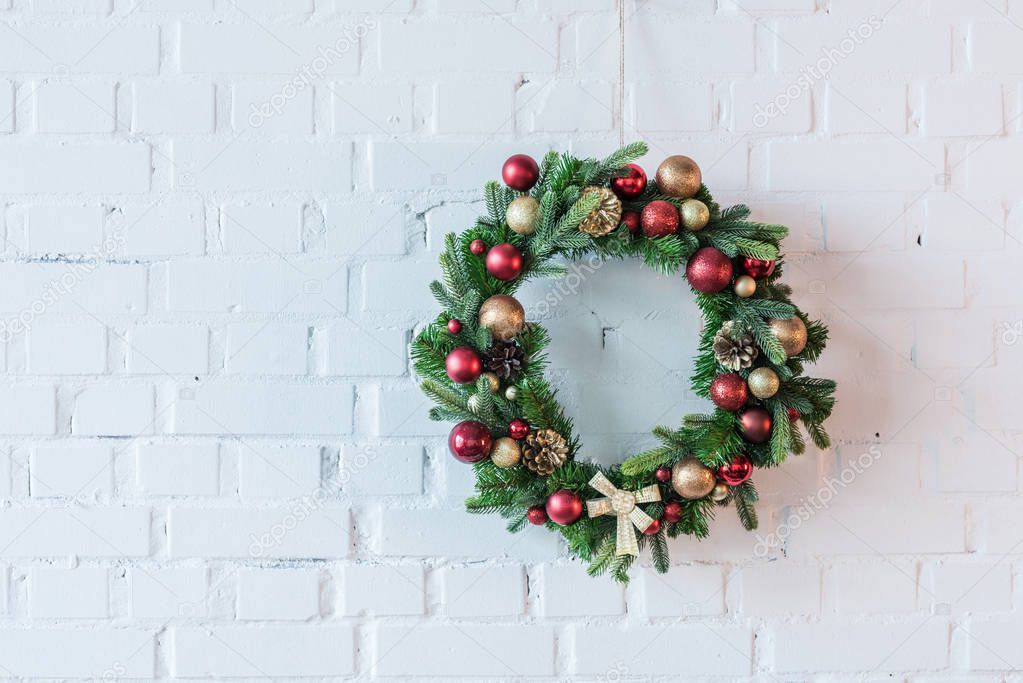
x=624 y=504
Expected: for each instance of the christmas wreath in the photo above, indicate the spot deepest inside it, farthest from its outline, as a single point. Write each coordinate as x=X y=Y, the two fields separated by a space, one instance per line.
x=483 y=364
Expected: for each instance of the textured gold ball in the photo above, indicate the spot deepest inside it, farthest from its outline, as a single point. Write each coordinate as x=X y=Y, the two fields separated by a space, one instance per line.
x=606 y=217
x=504 y=316
x=506 y=452
x=763 y=382
x=679 y=176
x=744 y=286
x=720 y=492
x=493 y=381
x=691 y=479
x=791 y=332
x=522 y=213
x=695 y=215
x=511 y=393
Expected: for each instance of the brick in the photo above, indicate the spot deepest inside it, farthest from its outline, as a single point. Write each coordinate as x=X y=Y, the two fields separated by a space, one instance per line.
x=178 y=469
x=28 y=410
x=1001 y=535
x=909 y=166
x=75 y=108
x=836 y=48
x=396 y=412
x=82 y=593
x=780 y=589
x=437 y=533
x=72 y=7
x=68 y=288
x=952 y=109
x=262 y=229
x=376 y=108
x=167 y=107
x=866 y=108
x=207 y=286
x=57 y=532
x=686 y=589
x=97 y=653
x=7 y=112
x=114 y=410
x=553 y=106
x=299 y=52
x=272 y=594
x=452 y=116
x=240 y=166
x=414 y=652
x=383 y=589
x=954 y=456
x=657 y=108
x=64 y=229
x=168 y=350
x=264 y=409
x=976 y=588
x=987 y=169
x=168 y=592
x=364 y=229
x=122 y=49
x=994 y=48
x=724 y=650
x=946 y=217
x=374 y=470
x=301 y=530
x=28 y=168
x=359 y=348
x=272 y=107
x=771 y=107
x=558 y=597
x=853 y=647
x=471 y=591
x=871 y=588
x=267 y=349
x=163 y=227
x=49 y=352
x=994 y=644
x=278 y=472
x=512 y=47
x=85 y=472
x=770 y=6
x=380 y=294
x=278 y=651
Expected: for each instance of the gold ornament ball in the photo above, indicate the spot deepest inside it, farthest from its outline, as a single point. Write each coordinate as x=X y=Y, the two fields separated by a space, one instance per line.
x=511 y=393
x=720 y=492
x=522 y=213
x=791 y=332
x=504 y=316
x=679 y=176
x=744 y=286
x=606 y=217
x=691 y=479
x=506 y=452
x=695 y=215
x=493 y=380
x=763 y=382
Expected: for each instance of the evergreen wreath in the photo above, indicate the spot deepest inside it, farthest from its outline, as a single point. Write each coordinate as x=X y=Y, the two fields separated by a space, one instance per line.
x=483 y=364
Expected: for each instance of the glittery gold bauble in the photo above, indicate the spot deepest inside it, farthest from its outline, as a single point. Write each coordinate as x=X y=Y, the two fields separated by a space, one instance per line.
x=522 y=213
x=763 y=382
x=493 y=380
x=720 y=492
x=504 y=316
x=695 y=215
x=606 y=217
x=506 y=452
x=744 y=286
x=691 y=479
x=511 y=393
x=791 y=332
x=679 y=176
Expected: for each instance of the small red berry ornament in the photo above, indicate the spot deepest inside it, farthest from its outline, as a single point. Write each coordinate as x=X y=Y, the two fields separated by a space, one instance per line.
x=793 y=414
x=632 y=221
x=520 y=172
x=729 y=391
x=654 y=527
x=477 y=247
x=518 y=428
x=564 y=507
x=709 y=270
x=537 y=515
x=659 y=218
x=630 y=185
x=755 y=425
x=470 y=441
x=454 y=326
x=736 y=472
x=463 y=365
x=672 y=512
x=663 y=474
x=504 y=261
x=757 y=267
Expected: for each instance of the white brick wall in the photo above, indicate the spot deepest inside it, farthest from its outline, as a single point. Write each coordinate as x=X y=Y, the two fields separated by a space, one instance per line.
x=220 y=218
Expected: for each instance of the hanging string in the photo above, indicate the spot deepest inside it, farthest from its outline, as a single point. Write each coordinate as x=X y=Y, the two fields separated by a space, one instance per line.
x=621 y=73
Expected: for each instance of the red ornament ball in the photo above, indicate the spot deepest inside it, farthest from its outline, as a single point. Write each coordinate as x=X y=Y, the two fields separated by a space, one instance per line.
x=470 y=441
x=520 y=172
x=537 y=515
x=659 y=218
x=564 y=507
x=518 y=428
x=736 y=472
x=755 y=425
x=654 y=527
x=632 y=221
x=663 y=474
x=630 y=185
x=756 y=267
x=477 y=247
x=454 y=326
x=709 y=270
x=793 y=414
x=672 y=512
x=504 y=261
x=463 y=365
x=729 y=391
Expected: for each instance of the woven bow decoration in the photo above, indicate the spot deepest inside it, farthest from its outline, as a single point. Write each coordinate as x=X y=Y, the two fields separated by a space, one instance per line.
x=624 y=504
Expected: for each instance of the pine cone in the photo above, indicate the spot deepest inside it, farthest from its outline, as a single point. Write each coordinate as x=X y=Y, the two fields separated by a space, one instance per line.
x=505 y=359
x=544 y=451
x=606 y=217
x=734 y=354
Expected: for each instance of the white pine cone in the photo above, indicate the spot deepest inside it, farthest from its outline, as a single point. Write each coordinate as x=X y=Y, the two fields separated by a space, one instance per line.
x=734 y=353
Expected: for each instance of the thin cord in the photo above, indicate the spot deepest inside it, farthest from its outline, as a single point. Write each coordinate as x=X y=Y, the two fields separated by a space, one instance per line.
x=621 y=73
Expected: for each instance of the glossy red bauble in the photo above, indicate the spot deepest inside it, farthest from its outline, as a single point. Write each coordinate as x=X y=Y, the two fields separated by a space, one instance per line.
x=564 y=507
x=463 y=365
x=631 y=185
x=537 y=515
x=709 y=270
x=755 y=425
x=736 y=472
x=793 y=414
x=659 y=218
x=518 y=428
x=672 y=512
x=729 y=391
x=454 y=326
x=663 y=474
x=504 y=261
x=756 y=267
x=477 y=247
x=654 y=527
x=520 y=172
x=632 y=221
x=470 y=441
